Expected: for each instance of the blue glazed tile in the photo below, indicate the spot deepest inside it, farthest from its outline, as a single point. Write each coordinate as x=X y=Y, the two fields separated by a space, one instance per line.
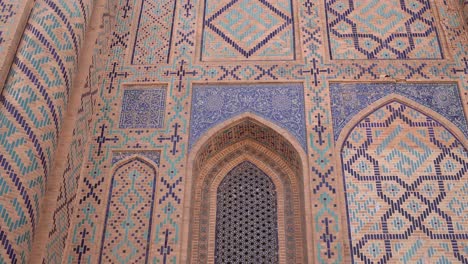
x=143 y=108
x=283 y=104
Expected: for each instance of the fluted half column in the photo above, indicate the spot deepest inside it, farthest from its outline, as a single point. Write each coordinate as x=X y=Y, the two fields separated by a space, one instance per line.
x=32 y=105
x=13 y=17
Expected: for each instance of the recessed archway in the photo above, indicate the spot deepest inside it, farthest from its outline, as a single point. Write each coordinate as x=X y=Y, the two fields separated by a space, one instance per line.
x=404 y=168
x=271 y=150
x=131 y=193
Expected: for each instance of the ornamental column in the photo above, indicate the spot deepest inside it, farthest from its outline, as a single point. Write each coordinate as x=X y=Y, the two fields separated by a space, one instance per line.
x=32 y=106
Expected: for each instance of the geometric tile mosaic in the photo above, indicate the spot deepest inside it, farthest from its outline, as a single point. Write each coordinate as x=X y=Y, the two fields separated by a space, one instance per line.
x=143 y=108
x=327 y=228
x=153 y=37
x=348 y=99
x=33 y=103
x=11 y=22
x=391 y=29
x=127 y=229
x=246 y=184
x=283 y=104
x=248 y=30
x=153 y=155
x=406 y=185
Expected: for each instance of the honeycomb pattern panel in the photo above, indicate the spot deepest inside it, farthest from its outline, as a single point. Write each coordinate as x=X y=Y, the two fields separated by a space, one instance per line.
x=246 y=217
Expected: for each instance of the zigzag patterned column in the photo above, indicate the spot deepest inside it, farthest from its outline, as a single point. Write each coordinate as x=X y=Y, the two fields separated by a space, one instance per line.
x=465 y=10
x=32 y=106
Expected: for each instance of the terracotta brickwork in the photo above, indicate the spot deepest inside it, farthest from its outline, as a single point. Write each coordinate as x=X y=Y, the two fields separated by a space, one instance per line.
x=63 y=186
x=356 y=111
x=129 y=214
x=464 y=10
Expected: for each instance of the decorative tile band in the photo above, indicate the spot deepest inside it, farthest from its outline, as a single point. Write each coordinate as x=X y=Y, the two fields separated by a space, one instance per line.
x=69 y=178
x=154 y=29
x=67 y=196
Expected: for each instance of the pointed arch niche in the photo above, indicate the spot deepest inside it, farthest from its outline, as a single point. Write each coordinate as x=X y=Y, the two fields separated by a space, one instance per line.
x=405 y=180
x=130 y=206
x=266 y=149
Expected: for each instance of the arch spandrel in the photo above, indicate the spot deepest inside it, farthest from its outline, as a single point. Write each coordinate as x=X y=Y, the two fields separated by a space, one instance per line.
x=393 y=97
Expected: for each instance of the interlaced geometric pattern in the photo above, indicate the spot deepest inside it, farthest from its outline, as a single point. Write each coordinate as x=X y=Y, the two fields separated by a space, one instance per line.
x=183 y=72
x=127 y=226
x=7 y=12
x=246 y=217
x=248 y=30
x=406 y=187
x=374 y=29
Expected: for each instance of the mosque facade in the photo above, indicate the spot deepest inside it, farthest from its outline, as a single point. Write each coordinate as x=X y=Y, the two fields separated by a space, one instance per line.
x=234 y=131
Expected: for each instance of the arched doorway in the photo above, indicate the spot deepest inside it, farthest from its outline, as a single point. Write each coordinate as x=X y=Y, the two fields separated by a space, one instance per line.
x=221 y=165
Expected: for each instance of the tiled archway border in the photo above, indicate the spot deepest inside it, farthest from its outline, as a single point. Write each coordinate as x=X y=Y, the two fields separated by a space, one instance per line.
x=208 y=175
